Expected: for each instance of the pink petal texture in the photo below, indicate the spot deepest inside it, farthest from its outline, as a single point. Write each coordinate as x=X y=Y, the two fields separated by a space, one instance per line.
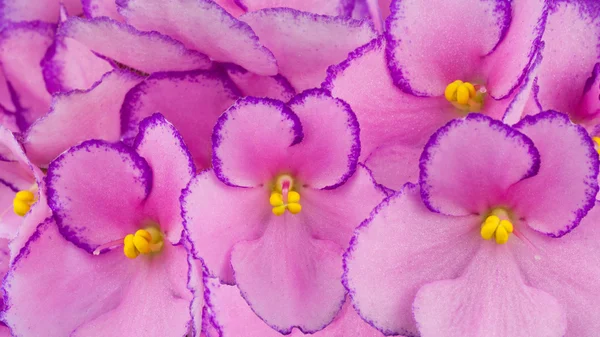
x=235 y=318
x=204 y=26
x=290 y=278
x=112 y=291
x=93 y=205
x=157 y=140
x=192 y=101
x=97 y=8
x=560 y=195
x=400 y=247
x=196 y=279
x=250 y=84
x=523 y=102
x=80 y=115
x=469 y=164
x=285 y=32
x=6 y=103
x=488 y=300
x=22 y=47
x=9 y=120
x=231 y=6
x=424 y=59
x=143 y=51
x=572 y=36
x=588 y=110
x=323 y=7
x=31 y=10
x=562 y=267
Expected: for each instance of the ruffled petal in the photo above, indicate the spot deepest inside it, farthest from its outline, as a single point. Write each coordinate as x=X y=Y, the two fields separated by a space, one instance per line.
x=204 y=26
x=80 y=115
x=433 y=43
x=97 y=8
x=157 y=140
x=289 y=278
x=192 y=101
x=250 y=84
x=588 y=109
x=22 y=47
x=328 y=154
x=323 y=7
x=231 y=6
x=96 y=190
x=560 y=195
x=400 y=247
x=251 y=141
x=217 y=216
x=31 y=10
x=196 y=284
x=143 y=51
x=489 y=300
x=522 y=101
x=294 y=37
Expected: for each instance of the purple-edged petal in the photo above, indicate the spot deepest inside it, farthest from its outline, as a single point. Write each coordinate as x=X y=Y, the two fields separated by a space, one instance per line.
x=250 y=84
x=328 y=154
x=158 y=140
x=196 y=285
x=306 y=44
x=560 y=195
x=96 y=191
x=400 y=247
x=22 y=47
x=289 y=277
x=80 y=115
x=469 y=164
x=97 y=8
x=323 y=7
x=31 y=10
x=523 y=102
x=424 y=56
x=144 y=51
x=588 y=109
x=204 y=26
x=217 y=216
x=192 y=101
x=231 y=6
x=251 y=141
x=489 y=300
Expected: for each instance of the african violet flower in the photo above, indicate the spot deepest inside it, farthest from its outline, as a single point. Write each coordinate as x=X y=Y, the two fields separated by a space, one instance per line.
x=489 y=243
x=279 y=207
x=104 y=196
x=419 y=76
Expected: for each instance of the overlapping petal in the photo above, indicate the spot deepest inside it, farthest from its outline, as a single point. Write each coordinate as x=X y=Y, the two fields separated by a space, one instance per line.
x=323 y=7
x=31 y=10
x=250 y=84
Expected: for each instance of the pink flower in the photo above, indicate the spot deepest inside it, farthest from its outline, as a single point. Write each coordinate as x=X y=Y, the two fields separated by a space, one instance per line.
x=107 y=195
x=32 y=10
x=487 y=243
x=404 y=86
x=285 y=207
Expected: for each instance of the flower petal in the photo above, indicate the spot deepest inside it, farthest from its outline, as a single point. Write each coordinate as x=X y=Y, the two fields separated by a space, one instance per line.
x=80 y=115
x=588 y=109
x=96 y=190
x=204 y=26
x=6 y=102
x=560 y=195
x=328 y=154
x=196 y=284
x=289 y=278
x=469 y=164
x=424 y=56
x=489 y=300
x=231 y=6
x=144 y=51
x=157 y=140
x=250 y=84
x=323 y=7
x=192 y=101
x=400 y=247
x=272 y=129
x=217 y=216
x=97 y=8
x=294 y=37
x=31 y=10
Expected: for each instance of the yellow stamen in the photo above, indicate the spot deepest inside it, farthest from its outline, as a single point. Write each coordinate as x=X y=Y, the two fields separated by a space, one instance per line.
x=283 y=198
x=464 y=96
x=597 y=144
x=144 y=241
x=23 y=201
x=495 y=227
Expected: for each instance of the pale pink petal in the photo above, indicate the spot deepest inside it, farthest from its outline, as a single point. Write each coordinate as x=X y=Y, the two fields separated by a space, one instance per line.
x=288 y=277
x=6 y=103
x=196 y=284
x=231 y=6
x=31 y=10
x=96 y=191
x=250 y=84
x=144 y=51
x=560 y=195
x=97 y=8
x=329 y=151
x=347 y=323
x=588 y=109
x=469 y=164
x=323 y=7
x=489 y=300
x=251 y=141
x=213 y=227
x=9 y=120
x=80 y=115
x=204 y=26
x=157 y=141
x=395 y=251
x=22 y=47
x=306 y=44
x=192 y=101
x=424 y=57
x=523 y=102
x=361 y=12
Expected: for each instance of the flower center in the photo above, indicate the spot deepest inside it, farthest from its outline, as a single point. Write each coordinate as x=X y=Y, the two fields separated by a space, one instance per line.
x=283 y=197
x=497 y=225
x=596 y=144
x=149 y=240
x=24 y=200
x=465 y=96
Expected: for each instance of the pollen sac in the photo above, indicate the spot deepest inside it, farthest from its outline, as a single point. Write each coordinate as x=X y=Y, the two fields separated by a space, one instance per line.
x=23 y=201
x=494 y=227
x=283 y=197
x=465 y=96
x=144 y=241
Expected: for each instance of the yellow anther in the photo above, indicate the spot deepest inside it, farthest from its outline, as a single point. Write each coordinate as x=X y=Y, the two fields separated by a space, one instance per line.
x=141 y=240
x=25 y=195
x=294 y=208
x=279 y=205
x=279 y=210
x=23 y=201
x=129 y=248
x=276 y=199
x=489 y=227
x=451 y=89
x=597 y=144
x=144 y=241
x=464 y=96
x=507 y=225
x=498 y=228
x=293 y=196
x=501 y=235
